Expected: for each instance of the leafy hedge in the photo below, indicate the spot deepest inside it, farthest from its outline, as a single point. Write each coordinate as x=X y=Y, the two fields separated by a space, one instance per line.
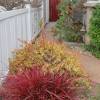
x=94 y=32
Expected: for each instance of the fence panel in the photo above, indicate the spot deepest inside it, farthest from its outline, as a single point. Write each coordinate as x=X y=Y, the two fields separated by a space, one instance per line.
x=37 y=16
x=16 y=25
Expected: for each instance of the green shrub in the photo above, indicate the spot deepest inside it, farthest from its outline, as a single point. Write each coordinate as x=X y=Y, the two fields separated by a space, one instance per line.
x=94 y=32
x=69 y=23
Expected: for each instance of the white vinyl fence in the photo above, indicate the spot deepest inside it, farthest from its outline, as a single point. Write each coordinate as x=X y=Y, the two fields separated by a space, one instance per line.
x=15 y=25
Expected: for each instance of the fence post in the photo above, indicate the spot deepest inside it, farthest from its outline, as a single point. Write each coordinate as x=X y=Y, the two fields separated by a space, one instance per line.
x=29 y=21
x=46 y=10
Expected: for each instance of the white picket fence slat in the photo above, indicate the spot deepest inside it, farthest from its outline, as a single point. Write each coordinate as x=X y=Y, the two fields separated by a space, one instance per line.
x=15 y=25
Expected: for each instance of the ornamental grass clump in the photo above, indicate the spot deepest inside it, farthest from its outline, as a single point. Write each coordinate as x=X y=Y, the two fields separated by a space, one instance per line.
x=52 y=56
x=36 y=85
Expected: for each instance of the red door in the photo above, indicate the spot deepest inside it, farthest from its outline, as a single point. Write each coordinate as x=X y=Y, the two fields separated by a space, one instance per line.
x=53 y=10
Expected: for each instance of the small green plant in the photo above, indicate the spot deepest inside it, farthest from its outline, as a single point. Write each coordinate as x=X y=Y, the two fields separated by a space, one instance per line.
x=93 y=50
x=93 y=93
x=73 y=37
x=94 y=33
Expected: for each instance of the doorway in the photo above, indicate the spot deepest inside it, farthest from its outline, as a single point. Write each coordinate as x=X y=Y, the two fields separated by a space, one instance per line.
x=53 y=12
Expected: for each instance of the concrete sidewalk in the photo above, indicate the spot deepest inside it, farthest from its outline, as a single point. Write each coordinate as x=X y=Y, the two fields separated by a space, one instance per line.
x=91 y=65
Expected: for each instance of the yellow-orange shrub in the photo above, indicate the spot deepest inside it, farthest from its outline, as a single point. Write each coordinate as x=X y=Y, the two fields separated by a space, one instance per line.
x=51 y=55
